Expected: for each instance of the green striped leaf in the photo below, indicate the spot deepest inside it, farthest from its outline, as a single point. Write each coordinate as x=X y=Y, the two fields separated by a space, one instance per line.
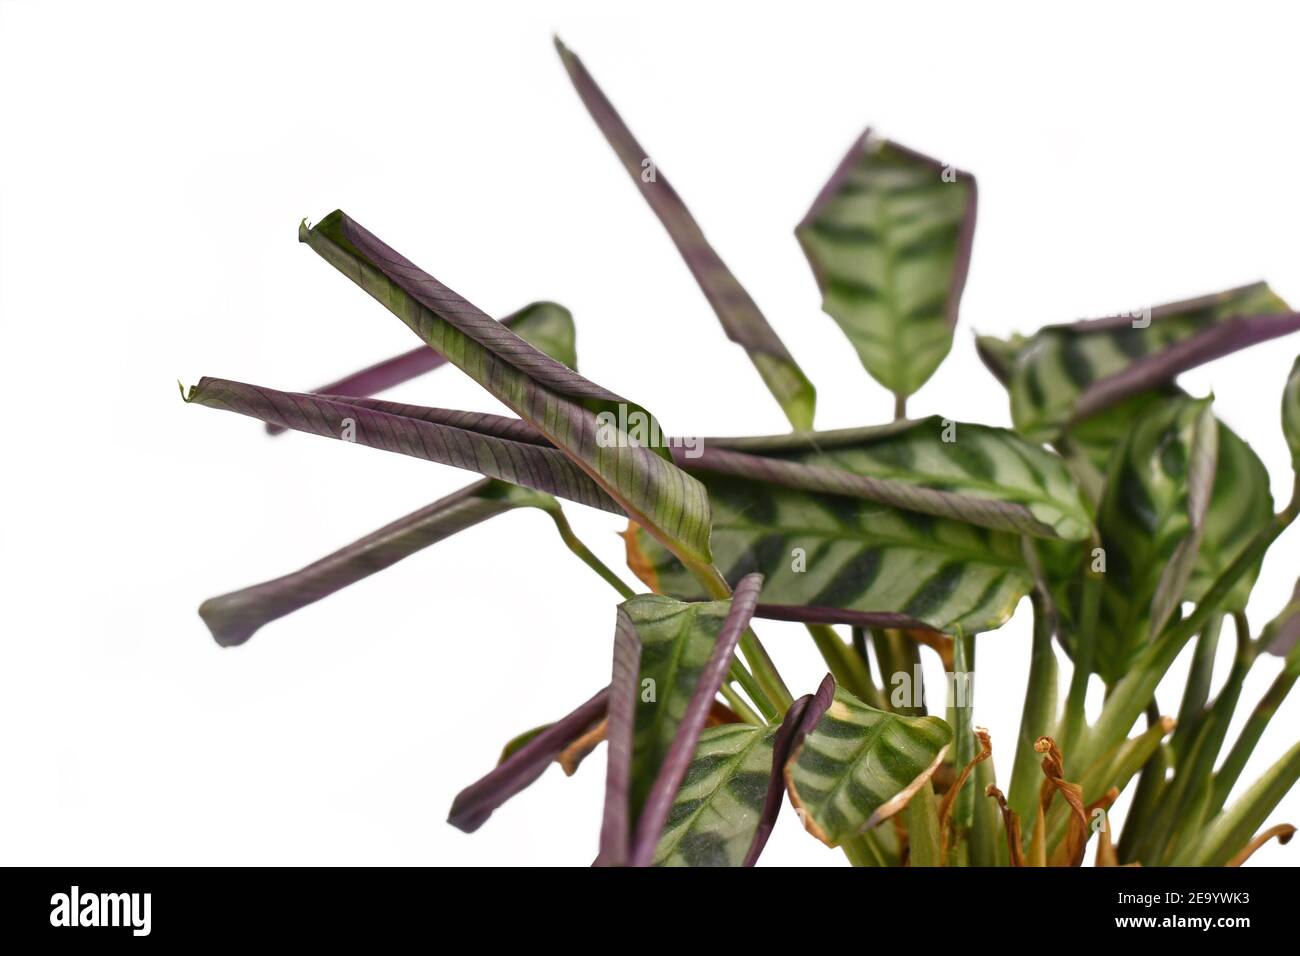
x=676 y=641
x=731 y=794
x=670 y=659
x=889 y=239
x=986 y=476
x=1054 y=370
x=715 y=816
x=1151 y=521
x=836 y=559
x=740 y=316
x=859 y=766
x=1240 y=504
x=1291 y=414
x=575 y=415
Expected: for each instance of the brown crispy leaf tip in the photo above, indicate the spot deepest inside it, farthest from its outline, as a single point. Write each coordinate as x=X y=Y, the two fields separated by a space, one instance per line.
x=1070 y=852
x=1283 y=831
x=1010 y=824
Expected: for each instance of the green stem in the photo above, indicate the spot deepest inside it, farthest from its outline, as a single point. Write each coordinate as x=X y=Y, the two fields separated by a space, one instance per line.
x=1231 y=830
x=1036 y=718
x=1197 y=692
x=923 y=836
x=1193 y=769
x=586 y=555
x=738 y=672
x=765 y=673
x=898 y=654
x=1146 y=801
x=900 y=406
x=1131 y=694
x=1241 y=751
x=848 y=669
x=986 y=839
x=862 y=850
x=738 y=705
x=750 y=685
x=961 y=706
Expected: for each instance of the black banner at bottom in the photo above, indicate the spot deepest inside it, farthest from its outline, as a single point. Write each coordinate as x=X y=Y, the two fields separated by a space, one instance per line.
x=369 y=905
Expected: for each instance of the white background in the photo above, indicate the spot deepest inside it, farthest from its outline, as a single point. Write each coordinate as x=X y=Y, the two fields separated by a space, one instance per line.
x=156 y=161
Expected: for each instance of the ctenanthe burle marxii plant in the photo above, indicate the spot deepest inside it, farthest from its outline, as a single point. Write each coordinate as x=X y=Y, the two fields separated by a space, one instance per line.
x=1132 y=518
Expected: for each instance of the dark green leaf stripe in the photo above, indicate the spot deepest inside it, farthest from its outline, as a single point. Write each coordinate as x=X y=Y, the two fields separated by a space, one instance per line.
x=1090 y=445
x=889 y=241
x=715 y=815
x=1150 y=522
x=553 y=398
x=987 y=476
x=862 y=562
x=1053 y=369
x=740 y=317
x=860 y=766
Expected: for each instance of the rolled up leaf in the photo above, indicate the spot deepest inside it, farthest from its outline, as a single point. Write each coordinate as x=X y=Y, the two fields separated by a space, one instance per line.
x=589 y=424
x=832 y=559
x=546 y=325
x=889 y=241
x=493 y=446
x=740 y=316
x=473 y=805
x=859 y=766
x=620 y=733
x=1215 y=342
x=233 y=618
x=799 y=721
x=1064 y=374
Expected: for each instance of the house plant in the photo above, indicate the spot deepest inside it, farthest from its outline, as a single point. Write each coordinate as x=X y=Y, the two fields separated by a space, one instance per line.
x=1130 y=517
